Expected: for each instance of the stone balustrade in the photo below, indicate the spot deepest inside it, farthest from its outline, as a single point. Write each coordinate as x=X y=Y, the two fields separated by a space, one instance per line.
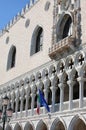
x=61 y=46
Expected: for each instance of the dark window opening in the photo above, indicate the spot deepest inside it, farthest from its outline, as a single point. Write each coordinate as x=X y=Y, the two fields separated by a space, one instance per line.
x=11 y=58
x=39 y=40
x=57 y=95
x=67 y=28
x=76 y=91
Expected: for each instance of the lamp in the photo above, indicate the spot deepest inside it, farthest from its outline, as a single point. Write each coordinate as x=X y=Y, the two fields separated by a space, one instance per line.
x=5 y=101
x=6 y=111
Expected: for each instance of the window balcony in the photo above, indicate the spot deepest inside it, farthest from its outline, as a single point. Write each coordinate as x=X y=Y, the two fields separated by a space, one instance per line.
x=61 y=47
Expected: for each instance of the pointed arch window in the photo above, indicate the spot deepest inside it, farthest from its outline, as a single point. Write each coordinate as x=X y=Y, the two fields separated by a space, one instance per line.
x=37 y=41
x=64 y=27
x=11 y=58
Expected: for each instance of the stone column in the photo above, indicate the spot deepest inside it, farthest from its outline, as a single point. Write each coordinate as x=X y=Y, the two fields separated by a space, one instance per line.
x=26 y=107
x=53 y=98
x=70 y=83
x=16 y=109
x=32 y=103
x=46 y=98
x=21 y=105
x=81 y=93
x=61 y=86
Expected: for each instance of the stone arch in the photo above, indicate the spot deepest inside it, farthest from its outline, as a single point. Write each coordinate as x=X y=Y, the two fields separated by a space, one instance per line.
x=38 y=75
x=57 y=124
x=52 y=69
x=32 y=78
x=11 y=57
x=28 y=126
x=44 y=72
x=73 y=77
x=60 y=65
x=64 y=26
x=68 y=61
x=41 y=126
x=37 y=40
x=17 y=127
x=8 y=127
x=73 y=74
x=64 y=77
x=80 y=53
x=77 y=122
x=26 y=80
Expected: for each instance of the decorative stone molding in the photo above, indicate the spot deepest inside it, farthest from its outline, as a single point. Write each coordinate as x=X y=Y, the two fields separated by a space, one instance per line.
x=18 y=16
x=65 y=44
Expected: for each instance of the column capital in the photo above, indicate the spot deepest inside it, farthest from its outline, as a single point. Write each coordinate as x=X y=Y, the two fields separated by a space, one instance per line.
x=81 y=79
x=62 y=85
x=71 y=83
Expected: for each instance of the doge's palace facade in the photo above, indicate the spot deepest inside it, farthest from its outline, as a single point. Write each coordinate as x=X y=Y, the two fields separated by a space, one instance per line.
x=44 y=47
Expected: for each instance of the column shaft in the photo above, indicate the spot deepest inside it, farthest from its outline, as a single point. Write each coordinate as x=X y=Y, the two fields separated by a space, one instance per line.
x=81 y=94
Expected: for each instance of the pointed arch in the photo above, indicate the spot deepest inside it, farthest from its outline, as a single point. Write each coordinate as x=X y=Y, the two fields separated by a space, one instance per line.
x=78 y=122
x=60 y=66
x=8 y=127
x=69 y=62
x=37 y=40
x=17 y=127
x=28 y=126
x=11 y=57
x=41 y=126
x=79 y=58
x=58 y=124
x=64 y=26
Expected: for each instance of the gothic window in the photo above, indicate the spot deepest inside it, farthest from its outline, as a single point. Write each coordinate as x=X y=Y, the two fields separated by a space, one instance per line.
x=64 y=27
x=11 y=58
x=37 y=41
x=47 y=5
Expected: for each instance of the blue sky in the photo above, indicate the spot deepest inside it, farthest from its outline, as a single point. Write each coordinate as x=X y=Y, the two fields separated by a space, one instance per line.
x=9 y=9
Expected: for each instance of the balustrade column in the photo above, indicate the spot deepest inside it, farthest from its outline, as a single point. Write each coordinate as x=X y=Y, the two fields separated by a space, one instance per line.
x=21 y=105
x=46 y=97
x=61 y=86
x=53 y=98
x=12 y=104
x=81 y=83
x=26 y=107
x=16 y=109
x=32 y=103
x=70 y=83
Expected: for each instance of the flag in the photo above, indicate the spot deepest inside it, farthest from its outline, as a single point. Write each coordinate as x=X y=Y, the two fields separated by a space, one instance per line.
x=41 y=102
x=38 y=104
